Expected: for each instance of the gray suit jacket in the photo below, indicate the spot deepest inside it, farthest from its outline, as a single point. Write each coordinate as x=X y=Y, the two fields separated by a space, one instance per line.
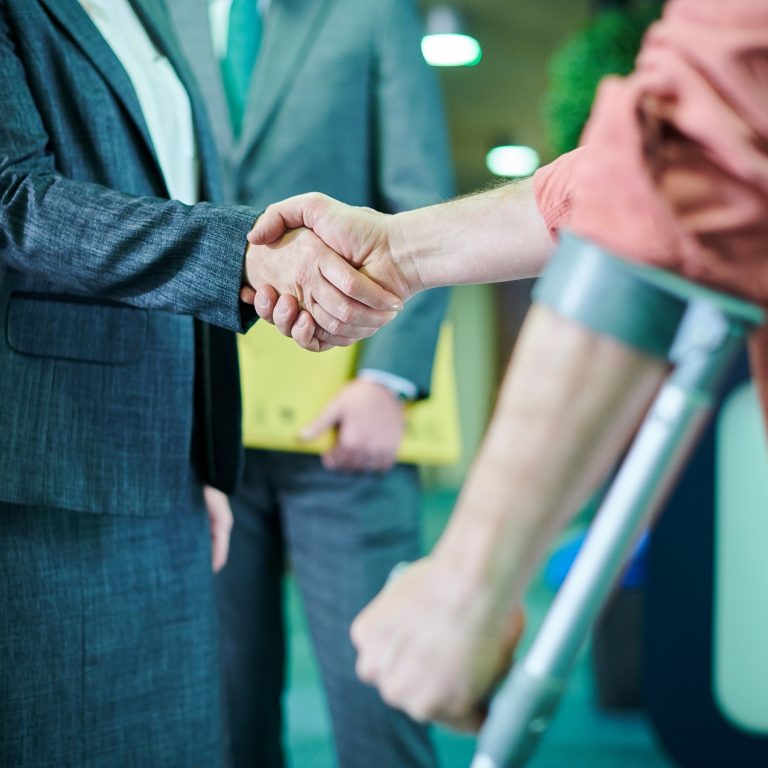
x=341 y=102
x=97 y=268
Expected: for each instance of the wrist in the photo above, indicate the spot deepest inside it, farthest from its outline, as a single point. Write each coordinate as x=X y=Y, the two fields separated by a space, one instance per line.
x=480 y=563
x=252 y=265
x=497 y=528
x=401 y=253
x=376 y=393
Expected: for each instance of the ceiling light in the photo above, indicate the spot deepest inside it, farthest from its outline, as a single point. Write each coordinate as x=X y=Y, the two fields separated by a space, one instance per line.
x=446 y=44
x=512 y=160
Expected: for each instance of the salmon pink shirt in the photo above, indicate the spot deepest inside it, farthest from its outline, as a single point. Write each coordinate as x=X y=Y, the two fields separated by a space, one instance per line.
x=673 y=167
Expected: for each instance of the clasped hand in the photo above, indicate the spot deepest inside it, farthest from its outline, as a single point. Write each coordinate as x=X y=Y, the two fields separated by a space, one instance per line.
x=324 y=272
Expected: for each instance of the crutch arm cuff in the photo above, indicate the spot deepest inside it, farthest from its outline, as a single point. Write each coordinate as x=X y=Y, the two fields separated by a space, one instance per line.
x=611 y=296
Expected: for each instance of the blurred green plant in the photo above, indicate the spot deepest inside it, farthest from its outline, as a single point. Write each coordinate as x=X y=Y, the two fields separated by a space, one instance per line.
x=607 y=46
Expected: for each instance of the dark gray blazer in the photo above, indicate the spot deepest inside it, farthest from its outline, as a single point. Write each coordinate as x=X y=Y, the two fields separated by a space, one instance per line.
x=100 y=274
x=341 y=102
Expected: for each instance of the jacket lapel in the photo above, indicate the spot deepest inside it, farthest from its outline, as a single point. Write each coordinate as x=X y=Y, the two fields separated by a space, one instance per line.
x=81 y=29
x=289 y=29
x=190 y=18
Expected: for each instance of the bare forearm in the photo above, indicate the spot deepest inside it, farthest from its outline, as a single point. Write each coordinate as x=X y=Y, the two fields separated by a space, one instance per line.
x=568 y=405
x=488 y=237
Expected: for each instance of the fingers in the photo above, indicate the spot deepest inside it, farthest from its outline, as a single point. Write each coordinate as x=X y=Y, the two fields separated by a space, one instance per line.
x=220 y=523
x=303 y=332
x=286 y=313
x=361 y=326
x=328 y=419
x=356 y=285
x=345 y=308
x=329 y=340
x=287 y=317
x=278 y=218
x=264 y=301
x=219 y=546
x=297 y=323
x=425 y=654
x=343 y=458
x=247 y=295
x=390 y=646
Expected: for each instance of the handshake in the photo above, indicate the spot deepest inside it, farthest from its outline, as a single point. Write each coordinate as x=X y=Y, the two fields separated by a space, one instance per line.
x=326 y=273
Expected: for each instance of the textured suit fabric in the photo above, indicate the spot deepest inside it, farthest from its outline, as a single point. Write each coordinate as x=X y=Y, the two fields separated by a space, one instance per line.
x=106 y=631
x=109 y=654
x=83 y=225
x=341 y=102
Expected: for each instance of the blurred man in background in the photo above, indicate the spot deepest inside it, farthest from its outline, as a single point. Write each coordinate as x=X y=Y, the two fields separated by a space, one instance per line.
x=339 y=99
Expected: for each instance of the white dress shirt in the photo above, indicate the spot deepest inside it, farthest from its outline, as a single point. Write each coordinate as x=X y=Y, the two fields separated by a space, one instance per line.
x=162 y=97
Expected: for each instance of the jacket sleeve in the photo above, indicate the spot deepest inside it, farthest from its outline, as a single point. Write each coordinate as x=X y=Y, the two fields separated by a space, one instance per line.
x=87 y=239
x=412 y=170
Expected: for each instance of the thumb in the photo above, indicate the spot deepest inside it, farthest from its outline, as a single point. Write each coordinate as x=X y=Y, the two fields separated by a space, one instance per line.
x=247 y=294
x=278 y=218
x=328 y=419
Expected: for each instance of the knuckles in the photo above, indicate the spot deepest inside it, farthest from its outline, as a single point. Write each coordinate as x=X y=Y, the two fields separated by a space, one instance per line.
x=348 y=313
x=335 y=327
x=346 y=283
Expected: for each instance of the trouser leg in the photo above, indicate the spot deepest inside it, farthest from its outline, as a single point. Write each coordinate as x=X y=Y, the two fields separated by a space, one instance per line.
x=344 y=533
x=250 y=608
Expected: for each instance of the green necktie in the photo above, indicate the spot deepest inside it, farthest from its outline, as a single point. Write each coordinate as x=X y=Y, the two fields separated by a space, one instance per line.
x=242 y=48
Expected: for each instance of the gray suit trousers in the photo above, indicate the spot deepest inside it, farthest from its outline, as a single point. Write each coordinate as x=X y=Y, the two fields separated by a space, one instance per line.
x=343 y=533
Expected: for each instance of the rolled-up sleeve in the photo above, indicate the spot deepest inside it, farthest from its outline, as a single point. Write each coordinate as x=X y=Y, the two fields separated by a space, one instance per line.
x=673 y=170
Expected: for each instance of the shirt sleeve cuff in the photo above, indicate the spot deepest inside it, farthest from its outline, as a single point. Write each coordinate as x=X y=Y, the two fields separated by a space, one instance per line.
x=553 y=185
x=402 y=388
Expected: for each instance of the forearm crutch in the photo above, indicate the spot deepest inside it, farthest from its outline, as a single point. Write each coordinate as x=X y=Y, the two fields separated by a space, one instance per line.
x=700 y=332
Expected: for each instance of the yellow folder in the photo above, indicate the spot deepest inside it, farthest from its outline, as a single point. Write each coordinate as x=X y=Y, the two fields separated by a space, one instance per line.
x=286 y=387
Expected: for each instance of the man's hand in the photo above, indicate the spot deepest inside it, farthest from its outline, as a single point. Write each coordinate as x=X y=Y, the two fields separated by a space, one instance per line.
x=365 y=238
x=343 y=304
x=434 y=643
x=369 y=420
x=220 y=521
